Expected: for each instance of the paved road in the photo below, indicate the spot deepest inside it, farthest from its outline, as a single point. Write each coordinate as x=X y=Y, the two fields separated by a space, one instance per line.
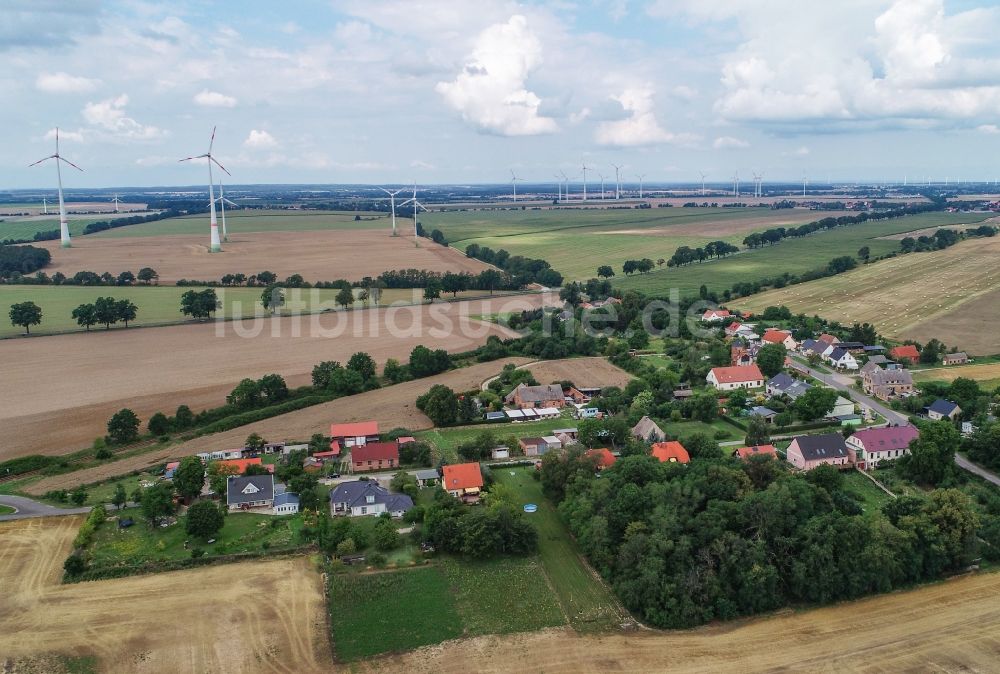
x=29 y=508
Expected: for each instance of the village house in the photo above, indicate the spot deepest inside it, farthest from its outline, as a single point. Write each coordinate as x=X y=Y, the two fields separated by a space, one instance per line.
x=842 y=359
x=250 y=491
x=957 y=358
x=374 y=456
x=828 y=338
x=784 y=384
x=756 y=450
x=715 y=315
x=943 y=409
x=907 y=352
x=285 y=502
x=527 y=397
x=353 y=434
x=427 y=477
x=887 y=384
x=647 y=431
x=463 y=481
x=535 y=446
x=810 y=451
x=775 y=336
x=366 y=497
x=730 y=378
x=814 y=346
x=241 y=465
x=871 y=445
x=670 y=452
x=605 y=459
x=765 y=413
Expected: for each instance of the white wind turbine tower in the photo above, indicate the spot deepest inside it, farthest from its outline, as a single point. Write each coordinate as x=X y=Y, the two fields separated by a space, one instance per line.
x=601 y=176
x=513 y=181
x=585 y=167
x=416 y=207
x=805 y=181
x=222 y=202
x=116 y=201
x=392 y=204
x=618 y=182
x=640 y=176
x=558 y=186
x=63 y=226
x=565 y=180
x=703 y=174
x=216 y=244
x=736 y=184
x=45 y=206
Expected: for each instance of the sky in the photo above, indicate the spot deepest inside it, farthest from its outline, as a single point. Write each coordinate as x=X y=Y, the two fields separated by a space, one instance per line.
x=453 y=91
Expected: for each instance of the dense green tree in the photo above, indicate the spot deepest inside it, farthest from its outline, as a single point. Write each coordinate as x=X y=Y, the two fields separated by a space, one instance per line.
x=189 y=478
x=126 y=311
x=432 y=290
x=393 y=371
x=85 y=315
x=25 y=314
x=106 y=311
x=932 y=454
x=183 y=417
x=424 y=362
x=246 y=395
x=254 y=442
x=454 y=283
x=119 y=499
x=273 y=388
x=199 y=304
x=815 y=403
x=363 y=364
x=605 y=271
x=440 y=404
x=157 y=502
x=123 y=426
x=148 y=275
x=345 y=297
x=771 y=359
x=758 y=432
x=384 y=534
x=158 y=424
x=204 y=519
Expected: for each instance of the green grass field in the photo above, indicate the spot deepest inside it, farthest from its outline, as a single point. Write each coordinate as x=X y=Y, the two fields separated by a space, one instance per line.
x=585 y=599
x=140 y=543
x=685 y=429
x=262 y=221
x=794 y=256
x=445 y=440
x=17 y=228
x=872 y=498
x=161 y=304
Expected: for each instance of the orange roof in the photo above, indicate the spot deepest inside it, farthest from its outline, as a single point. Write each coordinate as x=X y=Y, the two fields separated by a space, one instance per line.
x=671 y=452
x=757 y=450
x=775 y=336
x=241 y=464
x=828 y=338
x=462 y=476
x=737 y=373
x=354 y=430
x=905 y=351
x=334 y=448
x=605 y=459
x=721 y=313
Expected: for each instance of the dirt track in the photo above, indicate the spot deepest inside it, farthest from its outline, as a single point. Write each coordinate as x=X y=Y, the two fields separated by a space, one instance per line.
x=261 y=616
x=391 y=407
x=949 y=627
x=82 y=379
x=317 y=255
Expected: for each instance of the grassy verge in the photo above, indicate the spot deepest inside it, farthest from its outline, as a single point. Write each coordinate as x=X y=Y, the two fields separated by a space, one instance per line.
x=585 y=599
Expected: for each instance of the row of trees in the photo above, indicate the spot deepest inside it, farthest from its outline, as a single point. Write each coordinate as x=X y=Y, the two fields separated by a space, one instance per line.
x=714 y=249
x=145 y=276
x=522 y=270
x=643 y=266
x=105 y=311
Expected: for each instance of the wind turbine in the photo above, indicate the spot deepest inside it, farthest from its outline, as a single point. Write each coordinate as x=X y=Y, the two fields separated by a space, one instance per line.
x=601 y=175
x=116 y=201
x=640 y=176
x=392 y=202
x=703 y=174
x=63 y=227
x=565 y=180
x=45 y=205
x=736 y=184
x=216 y=244
x=416 y=205
x=805 y=181
x=558 y=186
x=222 y=202
x=618 y=182
x=585 y=167
x=513 y=181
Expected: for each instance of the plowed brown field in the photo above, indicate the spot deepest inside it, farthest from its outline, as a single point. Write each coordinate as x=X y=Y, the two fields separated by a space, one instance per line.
x=594 y=372
x=260 y=616
x=58 y=392
x=318 y=255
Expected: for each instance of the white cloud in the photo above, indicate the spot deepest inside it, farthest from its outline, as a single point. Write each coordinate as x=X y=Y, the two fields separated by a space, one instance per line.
x=75 y=136
x=63 y=83
x=988 y=128
x=639 y=127
x=213 y=99
x=801 y=151
x=109 y=116
x=491 y=92
x=684 y=92
x=260 y=140
x=729 y=142
x=417 y=163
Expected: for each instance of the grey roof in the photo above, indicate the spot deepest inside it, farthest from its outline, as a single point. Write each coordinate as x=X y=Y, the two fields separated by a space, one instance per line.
x=429 y=474
x=878 y=359
x=492 y=416
x=286 y=498
x=647 y=428
x=797 y=389
x=826 y=446
x=812 y=345
x=762 y=411
x=780 y=381
x=838 y=353
x=942 y=406
x=247 y=488
x=875 y=347
x=537 y=394
x=356 y=493
x=882 y=377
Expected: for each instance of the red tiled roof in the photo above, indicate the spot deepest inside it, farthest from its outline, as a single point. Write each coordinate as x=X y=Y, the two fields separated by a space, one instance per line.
x=716 y=312
x=605 y=459
x=406 y=439
x=757 y=450
x=774 y=336
x=736 y=373
x=354 y=430
x=375 y=451
x=905 y=351
x=241 y=464
x=828 y=338
x=327 y=455
x=334 y=447
x=671 y=451
x=890 y=437
x=462 y=476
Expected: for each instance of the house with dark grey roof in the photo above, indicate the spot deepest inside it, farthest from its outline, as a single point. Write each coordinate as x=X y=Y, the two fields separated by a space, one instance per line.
x=777 y=384
x=244 y=492
x=943 y=409
x=286 y=503
x=366 y=497
x=810 y=451
x=842 y=359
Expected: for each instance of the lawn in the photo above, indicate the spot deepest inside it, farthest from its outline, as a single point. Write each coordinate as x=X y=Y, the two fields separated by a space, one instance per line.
x=857 y=485
x=794 y=256
x=585 y=599
x=391 y=611
x=658 y=360
x=105 y=491
x=445 y=440
x=260 y=221
x=141 y=544
x=684 y=429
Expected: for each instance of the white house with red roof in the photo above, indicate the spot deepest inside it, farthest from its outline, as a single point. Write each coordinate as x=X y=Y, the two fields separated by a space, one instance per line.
x=715 y=315
x=871 y=445
x=775 y=336
x=738 y=376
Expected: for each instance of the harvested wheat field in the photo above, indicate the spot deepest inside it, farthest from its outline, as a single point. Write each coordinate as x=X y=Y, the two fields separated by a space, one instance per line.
x=392 y=407
x=987 y=374
x=950 y=627
x=316 y=255
x=83 y=378
x=952 y=294
x=595 y=372
x=260 y=616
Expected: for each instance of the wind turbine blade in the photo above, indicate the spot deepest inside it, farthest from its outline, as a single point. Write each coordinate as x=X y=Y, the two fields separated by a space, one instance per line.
x=199 y=156
x=51 y=156
x=406 y=202
x=211 y=158
x=212 y=141
x=70 y=163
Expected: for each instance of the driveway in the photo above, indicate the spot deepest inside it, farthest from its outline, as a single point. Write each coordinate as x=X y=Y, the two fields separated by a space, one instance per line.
x=28 y=508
